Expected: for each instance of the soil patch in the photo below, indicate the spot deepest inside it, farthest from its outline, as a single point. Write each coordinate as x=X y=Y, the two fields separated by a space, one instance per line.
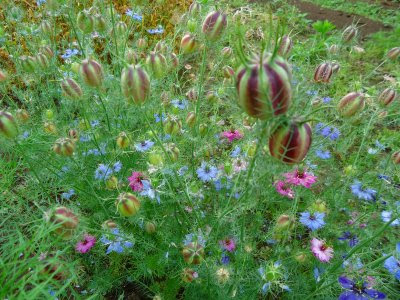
x=388 y=4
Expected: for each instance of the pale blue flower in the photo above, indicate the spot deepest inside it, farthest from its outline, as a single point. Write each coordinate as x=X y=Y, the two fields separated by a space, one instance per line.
x=206 y=172
x=68 y=195
x=361 y=193
x=144 y=146
x=323 y=154
x=103 y=172
x=312 y=221
x=134 y=15
x=179 y=103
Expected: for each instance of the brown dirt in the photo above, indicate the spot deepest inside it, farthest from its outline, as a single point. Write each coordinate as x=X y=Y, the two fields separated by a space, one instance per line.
x=387 y=4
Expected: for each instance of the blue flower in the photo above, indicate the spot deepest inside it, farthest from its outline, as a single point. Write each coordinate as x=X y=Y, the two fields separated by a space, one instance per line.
x=236 y=152
x=118 y=243
x=158 y=30
x=40 y=2
x=70 y=53
x=94 y=123
x=327 y=131
x=392 y=264
x=183 y=170
x=326 y=99
x=134 y=15
x=387 y=216
x=148 y=191
x=181 y=104
x=103 y=172
x=192 y=237
x=357 y=291
x=312 y=93
x=323 y=154
x=117 y=166
x=225 y=259
x=68 y=194
x=85 y=138
x=158 y=119
x=206 y=172
x=314 y=221
x=361 y=193
x=144 y=146
x=348 y=236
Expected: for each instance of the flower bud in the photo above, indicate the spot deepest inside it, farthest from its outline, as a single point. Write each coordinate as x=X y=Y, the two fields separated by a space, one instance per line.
x=85 y=22
x=226 y=52
x=161 y=47
x=157 y=64
x=387 y=96
x=22 y=115
x=188 y=44
x=131 y=56
x=285 y=46
x=123 y=140
x=393 y=53
x=349 y=33
x=50 y=128
x=112 y=183
x=135 y=84
x=3 y=76
x=284 y=222
x=323 y=73
x=127 y=204
x=290 y=143
x=45 y=27
x=28 y=63
x=66 y=220
x=64 y=147
x=319 y=206
x=8 y=126
x=49 y=114
x=349 y=170
x=396 y=157
x=351 y=104
x=71 y=89
x=214 y=24
x=91 y=72
x=193 y=253
x=173 y=151
x=300 y=257
x=109 y=224
x=228 y=72
x=150 y=227
x=191 y=119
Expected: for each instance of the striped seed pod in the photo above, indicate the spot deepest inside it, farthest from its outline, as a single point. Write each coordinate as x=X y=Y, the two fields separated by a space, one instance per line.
x=333 y=49
x=172 y=125
x=22 y=115
x=285 y=46
x=109 y=224
x=123 y=140
x=173 y=60
x=228 y=72
x=349 y=33
x=188 y=44
x=127 y=204
x=173 y=151
x=393 y=53
x=28 y=63
x=64 y=147
x=120 y=29
x=192 y=95
x=8 y=126
x=85 y=22
x=46 y=50
x=161 y=47
x=100 y=24
x=335 y=68
x=194 y=8
x=264 y=91
x=351 y=104
x=71 y=88
x=226 y=52
x=50 y=128
x=323 y=72
x=214 y=24
x=157 y=64
x=191 y=119
x=396 y=157
x=73 y=135
x=290 y=142
x=188 y=275
x=45 y=27
x=91 y=72
x=66 y=220
x=387 y=96
x=42 y=61
x=141 y=43
x=135 y=84
x=131 y=56
x=3 y=76
x=193 y=253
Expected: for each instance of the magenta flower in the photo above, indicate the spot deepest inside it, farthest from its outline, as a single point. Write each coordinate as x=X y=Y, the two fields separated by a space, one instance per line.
x=232 y=135
x=298 y=177
x=284 y=189
x=228 y=244
x=321 y=251
x=135 y=181
x=87 y=244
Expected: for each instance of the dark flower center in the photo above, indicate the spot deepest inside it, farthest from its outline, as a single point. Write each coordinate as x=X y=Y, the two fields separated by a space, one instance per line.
x=312 y=218
x=143 y=143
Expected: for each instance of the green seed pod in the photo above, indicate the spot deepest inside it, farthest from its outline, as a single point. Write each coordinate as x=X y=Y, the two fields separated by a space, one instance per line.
x=64 y=147
x=71 y=89
x=131 y=57
x=135 y=84
x=85 y=22
x=66 y=220
x=193 y=253
x=120 y=29
x=123 y=140
x=191 y=119
x=351 y=104
x=141 y=43
x=150 y=227
x=28 y=63
x=109 y=224
x=46 y=50
x=188 y=44
x=349 y=33
x=226 y=52
x=214 y=24
x=42 y=61
x=157 y=64
x=100 y=24
x=173 y=151
x=8 y=126
x=91 y=72
x=127 y=204
x=22 y=115
x=172 y=125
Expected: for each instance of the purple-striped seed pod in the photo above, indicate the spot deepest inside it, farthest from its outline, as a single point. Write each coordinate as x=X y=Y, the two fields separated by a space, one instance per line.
x=188 y=44
x=42 y=61
x=85 y=22
x=387 y=96
x=192 y=95
x=290 y=143
x=349 y=33
x=351 y=104
x=50 y=128
x=131 y=57
x=393 y=53
x=46 y=50
x=194 y=8
x=396 y=157
x=3 y=76
x=335 y=68
x=193 y=253
x=226 y=52
x=73 y=134
x=66 y=220
x=28 y=63
x=127 y=204
x=323 y=72
x=382 y=114
x=191 y=119
x=64 y=147
x=264 y=91
x=214 y=24
x=123 y=140
x=91 y=72
x=228 y=72
x=45 y=27
x=173 y=60
x=8 y=126
x=100 y=24
x=161 y=47
x=71 y=88
x=333 y=49
x=172 y=125
x=22 y=115
x=135 y=84
x=211 y=96
x=120 y=29
x=109 y=224
x=188 y=275
x=157 y=64
x=141 y=43
x=285 y=46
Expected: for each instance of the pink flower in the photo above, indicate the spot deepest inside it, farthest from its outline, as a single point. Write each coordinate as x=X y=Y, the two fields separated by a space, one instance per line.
x=87 y=244
x=228 y=244
x=284 y=189
x=321 y=250
x=232 y=135
x=298 y=177
x=135 y=181
x=239 y=165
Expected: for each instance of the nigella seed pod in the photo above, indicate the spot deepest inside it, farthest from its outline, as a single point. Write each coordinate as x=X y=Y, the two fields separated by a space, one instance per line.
x=192 y=95
x=135 y=84
x=333 y=49
x=131 y=56
x=188 y=44
x=191 y=119
x=285 y=46
x=123 y=140
x=120 y=29
x=323 y=72
x=127 y=204
x=28 y=63
x=194 y=8
x=226 y=52
x=228 y=72
x=351 y=104
x=85 y=22
x=91 y=72
x=393 y=53
x=188 y=275
x=172 y=125
x=64 y=147
x=212 y=96
x=193 y=253
x=387 y=96
x=99 y=23
x=22 y=115
x=109 y=224
x=42 y=61
x=161 y=47
x=66 y=220
x=335 y=68
x=396 y=157
x=46 y=50
x=265 y=91
x=112 y=183
x=173 y=151
x=71 y=89
x=157 y=64
x=290 y=143
x=3 y=76
x=349 y=33
x=141 y=43
x=8 y=126
x=150 y=227
x=173 y=60
x=214 y=24
x=45 y=27
x=73 y=135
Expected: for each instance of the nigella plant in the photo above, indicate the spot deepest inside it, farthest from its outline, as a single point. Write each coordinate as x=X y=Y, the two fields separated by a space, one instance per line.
x=272 y=277
x=144 y=146
x=392 y=264
x=207 y=172
x=134 y=15
x=357 y=290
x=116 y=242
x=312 y=221
x=363 y=193
x=327 y=131
x=351 y=238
